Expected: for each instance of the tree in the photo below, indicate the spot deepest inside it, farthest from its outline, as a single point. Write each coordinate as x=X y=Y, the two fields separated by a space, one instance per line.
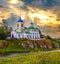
x=4 y=32
x=48 y=37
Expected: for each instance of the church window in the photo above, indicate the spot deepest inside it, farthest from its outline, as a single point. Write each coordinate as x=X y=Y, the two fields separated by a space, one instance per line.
x=21 y=25
x=12 y=36
x=27 y=36
x=30 y=36
x=19 y=35
x=33 y=35
x=17 y=25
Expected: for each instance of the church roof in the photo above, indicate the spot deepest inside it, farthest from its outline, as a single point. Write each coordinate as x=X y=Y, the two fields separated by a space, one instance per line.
x=20 y=20
x=31 y=27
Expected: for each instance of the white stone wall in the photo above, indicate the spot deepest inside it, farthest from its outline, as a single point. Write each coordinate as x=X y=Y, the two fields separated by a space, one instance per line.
x=32 y=35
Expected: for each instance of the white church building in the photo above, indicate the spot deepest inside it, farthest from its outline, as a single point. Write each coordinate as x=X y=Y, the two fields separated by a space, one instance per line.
x=30 y=32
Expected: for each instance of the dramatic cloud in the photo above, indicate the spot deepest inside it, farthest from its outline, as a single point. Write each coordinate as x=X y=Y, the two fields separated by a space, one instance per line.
x=41 y=3
x=44 y=13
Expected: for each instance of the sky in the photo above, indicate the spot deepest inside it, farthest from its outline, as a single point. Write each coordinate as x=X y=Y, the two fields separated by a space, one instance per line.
x=44 y=13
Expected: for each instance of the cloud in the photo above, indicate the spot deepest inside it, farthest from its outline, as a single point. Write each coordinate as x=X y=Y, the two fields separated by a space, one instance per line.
x=41 y=3
x=4 y=2
x=45 y=13
x=12 y=21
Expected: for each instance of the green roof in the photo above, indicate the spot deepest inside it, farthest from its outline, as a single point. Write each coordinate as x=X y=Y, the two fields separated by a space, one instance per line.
x=32 y=27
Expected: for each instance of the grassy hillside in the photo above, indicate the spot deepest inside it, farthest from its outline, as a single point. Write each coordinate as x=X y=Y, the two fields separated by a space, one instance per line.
x=24 y=45
x=58 y=41
x=33 y=58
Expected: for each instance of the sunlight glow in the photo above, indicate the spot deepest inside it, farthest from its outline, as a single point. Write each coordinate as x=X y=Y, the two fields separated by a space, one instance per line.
x=14 y=1
x=43 y=17
x=0 y=20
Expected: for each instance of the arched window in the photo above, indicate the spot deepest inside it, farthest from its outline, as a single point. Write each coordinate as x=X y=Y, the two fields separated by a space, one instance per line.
x=17 y=25
x=30 y=36
x=12 y=36
x=19 y=35
x=27 y=36
x=33 y=35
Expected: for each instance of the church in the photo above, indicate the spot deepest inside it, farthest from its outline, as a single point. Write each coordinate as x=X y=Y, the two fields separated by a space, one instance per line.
x=30 y=32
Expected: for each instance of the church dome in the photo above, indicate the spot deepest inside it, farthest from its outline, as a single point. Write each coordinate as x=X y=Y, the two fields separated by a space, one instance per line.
x=31 y=23
x=31 y=26
x=20 y=20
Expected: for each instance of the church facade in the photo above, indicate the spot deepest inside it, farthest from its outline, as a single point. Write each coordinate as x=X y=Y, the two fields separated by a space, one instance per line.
x=30 y=32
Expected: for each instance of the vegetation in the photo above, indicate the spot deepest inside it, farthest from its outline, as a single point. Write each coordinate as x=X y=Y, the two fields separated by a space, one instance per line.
x=58 y=41
x=4 y=32
x=15 y=45
x=33 y=58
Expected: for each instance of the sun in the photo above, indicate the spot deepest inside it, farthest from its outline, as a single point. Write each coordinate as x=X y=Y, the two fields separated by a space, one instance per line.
x=13 y=1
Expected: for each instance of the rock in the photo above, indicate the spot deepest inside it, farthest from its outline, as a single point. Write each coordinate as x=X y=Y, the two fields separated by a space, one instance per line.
x=24 y=45
x=1 y=45
x=31 y=45
x=36 y=45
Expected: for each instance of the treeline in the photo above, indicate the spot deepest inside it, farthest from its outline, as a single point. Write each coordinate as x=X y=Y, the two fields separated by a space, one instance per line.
x=4 y=32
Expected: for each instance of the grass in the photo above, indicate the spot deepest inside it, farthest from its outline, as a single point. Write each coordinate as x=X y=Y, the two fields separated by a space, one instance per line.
x=9 y=50
x=58 y=41
x=33 y=58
